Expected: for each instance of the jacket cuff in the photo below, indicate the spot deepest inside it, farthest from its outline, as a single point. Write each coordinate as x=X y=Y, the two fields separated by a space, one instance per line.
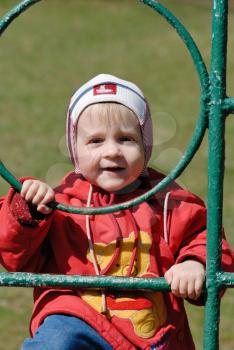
x=25 y=213
x=189 y=256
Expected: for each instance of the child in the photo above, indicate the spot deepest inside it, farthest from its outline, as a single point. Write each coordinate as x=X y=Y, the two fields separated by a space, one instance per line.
x=109 y=137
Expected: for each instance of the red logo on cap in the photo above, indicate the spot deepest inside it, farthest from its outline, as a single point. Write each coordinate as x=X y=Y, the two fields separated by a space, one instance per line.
x=105 y=89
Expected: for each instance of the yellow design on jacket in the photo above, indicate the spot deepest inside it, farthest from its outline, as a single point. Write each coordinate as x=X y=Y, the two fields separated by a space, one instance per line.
x=104 y=253
x=145 y=311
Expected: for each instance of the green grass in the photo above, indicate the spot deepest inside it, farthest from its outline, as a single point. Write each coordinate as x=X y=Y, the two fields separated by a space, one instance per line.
x=56 y=46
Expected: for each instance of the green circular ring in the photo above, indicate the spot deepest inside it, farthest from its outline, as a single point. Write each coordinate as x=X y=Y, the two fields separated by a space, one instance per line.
x=196 y=137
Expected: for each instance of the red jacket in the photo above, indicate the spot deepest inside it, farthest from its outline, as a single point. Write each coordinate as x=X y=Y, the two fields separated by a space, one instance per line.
x=125 y=243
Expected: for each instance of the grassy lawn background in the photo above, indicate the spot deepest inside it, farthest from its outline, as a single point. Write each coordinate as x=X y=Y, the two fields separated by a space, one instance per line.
x=56 y=46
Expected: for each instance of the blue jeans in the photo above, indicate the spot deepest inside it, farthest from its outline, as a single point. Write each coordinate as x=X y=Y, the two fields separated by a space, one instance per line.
x=64 y=332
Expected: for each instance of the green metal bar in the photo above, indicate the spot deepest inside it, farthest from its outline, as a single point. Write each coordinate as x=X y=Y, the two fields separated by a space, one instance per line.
x=225 y=279
x=228 y=105
x=216 y=149
x=23 y=279
x=9 y=177
x=15 y=12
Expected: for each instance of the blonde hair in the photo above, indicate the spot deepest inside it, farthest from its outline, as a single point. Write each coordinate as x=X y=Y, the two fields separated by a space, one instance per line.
x=111 y=112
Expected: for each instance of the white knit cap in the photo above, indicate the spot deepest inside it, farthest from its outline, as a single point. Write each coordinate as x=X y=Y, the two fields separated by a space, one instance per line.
x=108 y=88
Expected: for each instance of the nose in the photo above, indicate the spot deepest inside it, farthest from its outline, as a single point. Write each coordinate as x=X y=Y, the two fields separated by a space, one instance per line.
x=111 y=149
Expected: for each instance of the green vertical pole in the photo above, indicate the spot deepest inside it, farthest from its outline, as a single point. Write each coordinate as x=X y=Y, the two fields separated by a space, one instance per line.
x=216 y=152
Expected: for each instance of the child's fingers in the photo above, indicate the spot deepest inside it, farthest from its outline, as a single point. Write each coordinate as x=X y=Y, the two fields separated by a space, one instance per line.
x=191 y=289
x=175 y=283
x=198 y=285
x=42 y=208
x=186 y=279
x=172 y=278
x=168 y=276
x=31 y=191
x=38 y=193
x=183 y=288
x=38 y=197
x=48 y=197
x=25 y=187
x=43 y=195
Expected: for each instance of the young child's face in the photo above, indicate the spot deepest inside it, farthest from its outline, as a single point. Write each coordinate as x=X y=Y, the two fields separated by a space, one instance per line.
x=109 y=146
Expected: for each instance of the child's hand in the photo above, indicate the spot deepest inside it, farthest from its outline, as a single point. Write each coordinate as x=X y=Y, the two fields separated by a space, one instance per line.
x=38 y=193
x=186 y=279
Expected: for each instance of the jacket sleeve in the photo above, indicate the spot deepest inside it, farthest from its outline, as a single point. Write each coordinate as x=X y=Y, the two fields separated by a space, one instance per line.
x=22 y=233
x=188 y=235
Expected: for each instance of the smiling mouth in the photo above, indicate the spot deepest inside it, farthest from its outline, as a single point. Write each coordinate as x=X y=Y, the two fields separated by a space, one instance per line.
x=113 y=169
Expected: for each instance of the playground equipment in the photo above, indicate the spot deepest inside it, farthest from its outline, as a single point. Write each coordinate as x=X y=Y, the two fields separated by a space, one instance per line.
x=215 y=106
